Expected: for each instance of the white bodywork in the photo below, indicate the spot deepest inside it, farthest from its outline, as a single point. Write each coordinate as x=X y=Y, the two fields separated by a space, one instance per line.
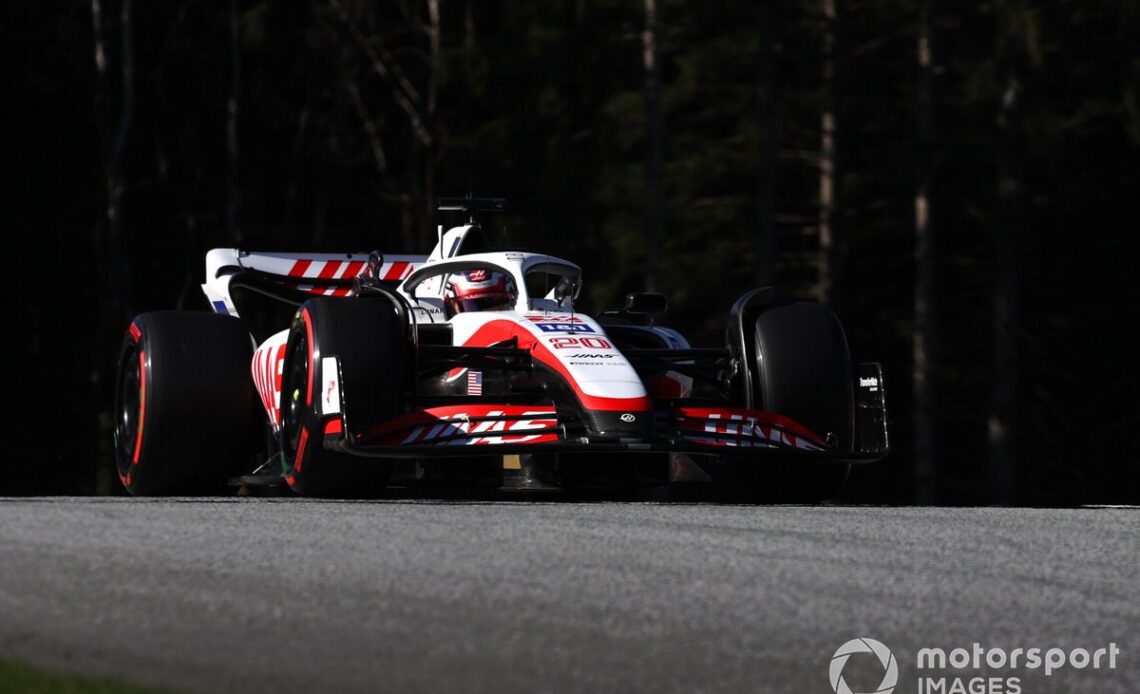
x=305 y=270
x=573 y=344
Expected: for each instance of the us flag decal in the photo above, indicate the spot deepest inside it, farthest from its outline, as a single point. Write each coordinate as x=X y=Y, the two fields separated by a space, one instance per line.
x=474 y=382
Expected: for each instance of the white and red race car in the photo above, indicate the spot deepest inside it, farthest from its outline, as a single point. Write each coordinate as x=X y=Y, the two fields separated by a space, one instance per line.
x=473 y=364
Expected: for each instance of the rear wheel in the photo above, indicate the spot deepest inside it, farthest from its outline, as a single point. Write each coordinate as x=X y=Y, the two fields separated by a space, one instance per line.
x=356 y=344
x=801 y=369
x=184 y=403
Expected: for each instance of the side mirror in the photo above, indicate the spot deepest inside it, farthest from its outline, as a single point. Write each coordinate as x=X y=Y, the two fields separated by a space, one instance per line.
x=646 y=303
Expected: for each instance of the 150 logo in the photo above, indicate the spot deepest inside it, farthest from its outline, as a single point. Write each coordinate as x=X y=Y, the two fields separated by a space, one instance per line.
x=564 y=328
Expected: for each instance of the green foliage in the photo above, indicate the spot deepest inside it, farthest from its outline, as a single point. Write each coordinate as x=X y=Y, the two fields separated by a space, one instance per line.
x=16 y=677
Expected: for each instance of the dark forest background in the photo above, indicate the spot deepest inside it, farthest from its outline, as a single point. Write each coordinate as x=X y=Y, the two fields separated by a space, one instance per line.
x=957 y=179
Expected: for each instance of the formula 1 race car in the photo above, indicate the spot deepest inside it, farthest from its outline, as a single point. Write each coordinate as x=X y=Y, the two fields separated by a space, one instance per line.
x=473 y=365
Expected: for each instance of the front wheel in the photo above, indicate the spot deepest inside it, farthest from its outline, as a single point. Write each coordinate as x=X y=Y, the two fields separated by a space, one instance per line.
x=801 y=368
x=344 y=359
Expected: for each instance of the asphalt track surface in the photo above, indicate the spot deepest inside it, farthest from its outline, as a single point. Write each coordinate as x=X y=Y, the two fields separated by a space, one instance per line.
x=282 y=595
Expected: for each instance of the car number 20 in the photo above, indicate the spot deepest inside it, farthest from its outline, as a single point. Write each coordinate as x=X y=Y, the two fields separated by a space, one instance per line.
x=579 y=343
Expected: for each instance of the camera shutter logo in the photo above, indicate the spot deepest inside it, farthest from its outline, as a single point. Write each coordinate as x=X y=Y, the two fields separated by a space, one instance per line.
x=890 y=665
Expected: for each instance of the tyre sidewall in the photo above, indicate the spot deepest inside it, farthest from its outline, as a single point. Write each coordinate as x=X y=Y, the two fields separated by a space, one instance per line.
x=365 y=340
x=196 y=405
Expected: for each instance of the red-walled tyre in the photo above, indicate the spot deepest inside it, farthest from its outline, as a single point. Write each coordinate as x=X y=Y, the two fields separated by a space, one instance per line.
x=184 y=403
x=365 y=337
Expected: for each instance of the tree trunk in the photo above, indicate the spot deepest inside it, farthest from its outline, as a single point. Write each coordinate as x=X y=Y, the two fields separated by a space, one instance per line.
x=765 y=247
x=379 y=158
x=827 y=156
x=926 y=472
x=1006 y=298
x=417 y=201
x=103 y=126
x=654 y=151
x=431 y=147
x=232 y=195
x=110 y=247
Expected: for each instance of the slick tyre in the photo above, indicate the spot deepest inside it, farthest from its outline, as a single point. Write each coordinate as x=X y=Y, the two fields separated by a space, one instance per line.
x=356 y=343
x=184 y=403
x=802 y=368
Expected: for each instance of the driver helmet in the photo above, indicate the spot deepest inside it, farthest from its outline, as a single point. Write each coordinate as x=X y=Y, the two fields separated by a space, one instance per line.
x=479 y=290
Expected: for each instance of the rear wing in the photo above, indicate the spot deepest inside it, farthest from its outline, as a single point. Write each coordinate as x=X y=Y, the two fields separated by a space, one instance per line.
x=293 y=277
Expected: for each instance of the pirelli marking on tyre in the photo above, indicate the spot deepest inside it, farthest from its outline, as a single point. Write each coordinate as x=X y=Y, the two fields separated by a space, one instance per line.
x=330 y=386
